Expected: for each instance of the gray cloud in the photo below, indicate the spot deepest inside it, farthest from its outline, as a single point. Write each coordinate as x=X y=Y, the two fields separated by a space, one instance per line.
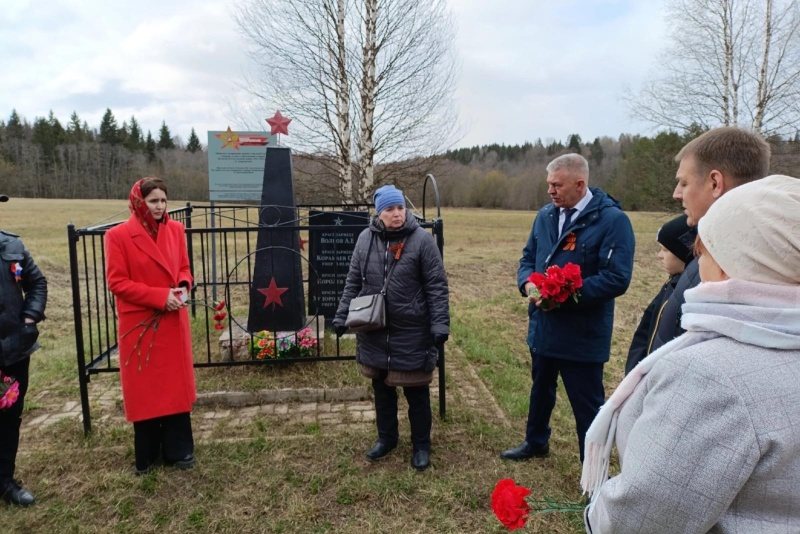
x=529 y=68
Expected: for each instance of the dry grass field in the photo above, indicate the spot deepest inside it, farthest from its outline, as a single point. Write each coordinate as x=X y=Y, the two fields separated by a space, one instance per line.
x=303 y=479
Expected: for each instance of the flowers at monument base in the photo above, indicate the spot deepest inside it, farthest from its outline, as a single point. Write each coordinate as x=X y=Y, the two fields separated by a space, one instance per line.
x=511 y=505
x=557 y=285
x=9 y=391
x=266 y=346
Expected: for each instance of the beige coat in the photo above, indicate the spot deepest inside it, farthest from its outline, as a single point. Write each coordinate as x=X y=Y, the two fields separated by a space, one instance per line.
x=709 y=442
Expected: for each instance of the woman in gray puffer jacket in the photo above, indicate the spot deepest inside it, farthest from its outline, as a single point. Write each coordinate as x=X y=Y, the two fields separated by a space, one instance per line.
x=417 y=313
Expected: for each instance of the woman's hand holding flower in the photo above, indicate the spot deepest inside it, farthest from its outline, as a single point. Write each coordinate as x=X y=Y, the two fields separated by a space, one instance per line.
x=174 y=300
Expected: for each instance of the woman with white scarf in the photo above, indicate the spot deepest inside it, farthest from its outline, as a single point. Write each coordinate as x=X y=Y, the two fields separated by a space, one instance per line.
x=708 y=426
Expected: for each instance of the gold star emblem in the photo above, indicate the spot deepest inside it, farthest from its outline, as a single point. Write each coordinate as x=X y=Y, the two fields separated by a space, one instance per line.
x=229 y=139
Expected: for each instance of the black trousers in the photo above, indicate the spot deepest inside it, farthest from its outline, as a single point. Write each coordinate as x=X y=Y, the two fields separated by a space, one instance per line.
x=168 y=438
x=584 y=385
x=419 y=413
x=11 y=419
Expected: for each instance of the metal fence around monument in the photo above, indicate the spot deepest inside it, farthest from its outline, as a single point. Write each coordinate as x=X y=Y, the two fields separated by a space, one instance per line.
x=218 y=237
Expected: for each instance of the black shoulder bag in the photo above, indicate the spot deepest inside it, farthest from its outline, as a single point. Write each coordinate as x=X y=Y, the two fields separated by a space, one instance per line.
x=368 y=312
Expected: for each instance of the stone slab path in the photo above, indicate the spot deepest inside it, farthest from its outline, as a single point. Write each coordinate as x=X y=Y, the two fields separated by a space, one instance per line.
x=223 y=416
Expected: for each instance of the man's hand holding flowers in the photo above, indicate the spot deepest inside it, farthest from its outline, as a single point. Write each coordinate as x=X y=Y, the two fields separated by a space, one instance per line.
x=550 y=290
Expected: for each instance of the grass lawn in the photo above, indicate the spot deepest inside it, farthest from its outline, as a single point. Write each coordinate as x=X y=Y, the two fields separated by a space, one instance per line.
x=299 y=478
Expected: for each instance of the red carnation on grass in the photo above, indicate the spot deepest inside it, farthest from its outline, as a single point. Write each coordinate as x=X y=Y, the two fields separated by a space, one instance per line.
x=556 y=285
x=509 y=504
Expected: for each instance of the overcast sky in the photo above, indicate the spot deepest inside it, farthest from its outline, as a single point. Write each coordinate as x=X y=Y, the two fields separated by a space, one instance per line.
x=528 y=68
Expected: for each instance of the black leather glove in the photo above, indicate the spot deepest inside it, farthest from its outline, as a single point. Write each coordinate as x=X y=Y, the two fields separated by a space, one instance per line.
x=28 y=335
x=440 y=339
x=340 y=330
x=21 y=341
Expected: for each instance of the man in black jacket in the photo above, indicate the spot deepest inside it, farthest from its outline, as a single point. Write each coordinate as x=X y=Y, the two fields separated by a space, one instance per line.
x=708 y=167
x=23 y=290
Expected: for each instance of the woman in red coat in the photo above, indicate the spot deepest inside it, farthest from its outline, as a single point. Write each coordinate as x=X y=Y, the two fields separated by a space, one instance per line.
x=147 y=267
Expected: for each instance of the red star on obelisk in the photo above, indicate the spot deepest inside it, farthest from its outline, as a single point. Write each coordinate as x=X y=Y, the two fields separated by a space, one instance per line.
x=279 y=124
x=303 y=243
x=273 y=294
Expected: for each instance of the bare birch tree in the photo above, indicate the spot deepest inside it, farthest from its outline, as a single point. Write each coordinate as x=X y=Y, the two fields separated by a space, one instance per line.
x=367 y=82
x=730 y=62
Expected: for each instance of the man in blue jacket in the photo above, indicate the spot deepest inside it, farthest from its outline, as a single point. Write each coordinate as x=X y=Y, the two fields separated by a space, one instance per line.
x=584 y=226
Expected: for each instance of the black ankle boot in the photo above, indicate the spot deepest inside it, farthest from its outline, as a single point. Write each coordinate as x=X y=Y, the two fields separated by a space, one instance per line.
x=379 y=450
x=13 y=493
x=421 y=460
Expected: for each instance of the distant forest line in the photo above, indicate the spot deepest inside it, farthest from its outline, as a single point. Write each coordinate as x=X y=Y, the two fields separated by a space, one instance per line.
x=45 y=159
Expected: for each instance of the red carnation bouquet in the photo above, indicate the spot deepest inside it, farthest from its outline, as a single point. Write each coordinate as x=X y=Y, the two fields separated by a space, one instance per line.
x=511 y=507
x=9 y=391
x=556 y=285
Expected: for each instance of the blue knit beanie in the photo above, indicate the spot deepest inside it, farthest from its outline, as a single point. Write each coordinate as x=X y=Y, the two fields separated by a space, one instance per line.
x=388 y=196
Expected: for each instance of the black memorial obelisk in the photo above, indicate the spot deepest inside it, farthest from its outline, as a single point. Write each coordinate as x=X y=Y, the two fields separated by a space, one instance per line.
x=276 y=293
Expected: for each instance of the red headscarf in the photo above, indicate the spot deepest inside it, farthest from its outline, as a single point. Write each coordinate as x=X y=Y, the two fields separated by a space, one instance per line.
x=139 y=209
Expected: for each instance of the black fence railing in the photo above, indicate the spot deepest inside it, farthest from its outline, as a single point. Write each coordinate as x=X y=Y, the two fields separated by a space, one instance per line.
x=221 y=242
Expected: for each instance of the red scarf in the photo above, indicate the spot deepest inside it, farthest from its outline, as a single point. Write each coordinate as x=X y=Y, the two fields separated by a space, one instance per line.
x=139 y=209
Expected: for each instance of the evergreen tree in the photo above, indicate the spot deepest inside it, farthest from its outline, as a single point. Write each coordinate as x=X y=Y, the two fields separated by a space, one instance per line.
x=597 y=151
x=88 y=133
x=48 y=134
x=574 y=143
x=122 y=134
x=554 y=148
x=645 y=178
x=134 y=140
x=75 y=131
x=165 y=138
x=109 y=133
x=194 y=143
x=14 y=127
x=150 y=147
x=58 y=133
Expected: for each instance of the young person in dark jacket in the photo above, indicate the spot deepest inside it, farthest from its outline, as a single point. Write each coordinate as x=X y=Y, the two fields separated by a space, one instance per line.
x=708 y=167
x=24 y=295
x=676 y=239
x=584 y=226
x=417 y=314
